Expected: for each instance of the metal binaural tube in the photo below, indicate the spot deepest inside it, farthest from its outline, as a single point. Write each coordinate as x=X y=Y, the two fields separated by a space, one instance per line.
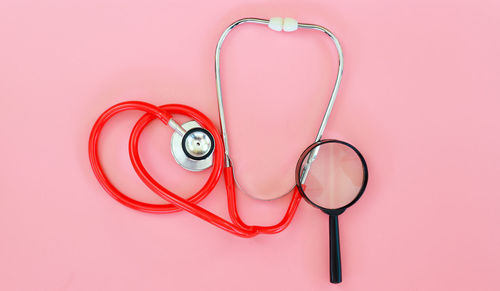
x=329 y=107
x=335 y=90
x=222 y=118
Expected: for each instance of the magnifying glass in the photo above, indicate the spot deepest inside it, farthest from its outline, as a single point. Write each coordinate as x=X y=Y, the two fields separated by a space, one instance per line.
x=332 y=175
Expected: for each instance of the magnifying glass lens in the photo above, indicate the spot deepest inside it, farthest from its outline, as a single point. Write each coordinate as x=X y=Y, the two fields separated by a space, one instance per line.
x=334 y=175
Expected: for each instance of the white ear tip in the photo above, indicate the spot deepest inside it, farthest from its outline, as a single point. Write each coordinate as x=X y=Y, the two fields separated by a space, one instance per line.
x=290 y=24
x=276 y=23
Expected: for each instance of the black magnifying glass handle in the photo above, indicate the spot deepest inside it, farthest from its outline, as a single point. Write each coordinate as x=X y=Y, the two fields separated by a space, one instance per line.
x=335 y=267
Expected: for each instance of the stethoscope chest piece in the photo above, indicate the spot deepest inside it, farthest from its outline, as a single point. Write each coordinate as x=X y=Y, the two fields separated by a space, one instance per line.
x=193 y=151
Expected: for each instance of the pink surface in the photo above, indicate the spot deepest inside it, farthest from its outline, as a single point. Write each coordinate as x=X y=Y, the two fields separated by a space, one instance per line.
x=419 y=99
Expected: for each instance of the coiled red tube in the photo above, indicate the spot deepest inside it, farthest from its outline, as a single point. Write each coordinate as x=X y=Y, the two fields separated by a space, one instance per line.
x=177 y=203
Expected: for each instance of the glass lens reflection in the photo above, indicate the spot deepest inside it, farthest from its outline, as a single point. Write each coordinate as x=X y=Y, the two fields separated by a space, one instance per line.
x=333 y=175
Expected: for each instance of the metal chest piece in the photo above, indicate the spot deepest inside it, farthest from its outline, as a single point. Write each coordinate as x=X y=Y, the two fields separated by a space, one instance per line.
x=193 y=151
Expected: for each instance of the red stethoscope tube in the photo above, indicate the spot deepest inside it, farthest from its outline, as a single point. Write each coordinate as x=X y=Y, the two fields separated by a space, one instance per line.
x=164 y=113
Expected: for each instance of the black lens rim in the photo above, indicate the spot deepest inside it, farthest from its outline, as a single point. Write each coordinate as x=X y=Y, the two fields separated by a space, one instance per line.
x=330 y=211
x=183 y=143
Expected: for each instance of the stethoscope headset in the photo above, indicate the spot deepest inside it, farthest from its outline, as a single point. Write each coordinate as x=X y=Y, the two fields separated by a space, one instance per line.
x=197 y=145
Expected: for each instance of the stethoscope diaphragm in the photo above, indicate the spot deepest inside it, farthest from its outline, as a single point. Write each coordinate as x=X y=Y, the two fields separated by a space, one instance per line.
x=193 y=151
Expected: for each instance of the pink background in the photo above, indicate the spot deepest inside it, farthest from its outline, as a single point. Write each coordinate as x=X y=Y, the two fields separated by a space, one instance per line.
x=420 y=99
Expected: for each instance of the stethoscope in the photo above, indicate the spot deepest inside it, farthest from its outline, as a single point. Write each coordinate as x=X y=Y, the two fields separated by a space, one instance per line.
x=196 y=146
